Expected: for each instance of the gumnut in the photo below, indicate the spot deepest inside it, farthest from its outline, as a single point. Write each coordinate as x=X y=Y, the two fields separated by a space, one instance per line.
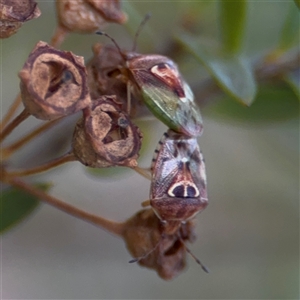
x=87 y=16
x=53 y=83
x=13 y=13
x=105 y=136
x=106 y=77
x=156 y=245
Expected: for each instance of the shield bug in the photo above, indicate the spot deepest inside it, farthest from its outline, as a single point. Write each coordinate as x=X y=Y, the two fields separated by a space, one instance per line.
x=156 y=80
x=178 y=186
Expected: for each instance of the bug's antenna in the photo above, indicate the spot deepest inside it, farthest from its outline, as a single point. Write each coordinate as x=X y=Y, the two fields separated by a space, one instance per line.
x=113 y=40
x=145 y=20
x=205 y=269
x=148 y=253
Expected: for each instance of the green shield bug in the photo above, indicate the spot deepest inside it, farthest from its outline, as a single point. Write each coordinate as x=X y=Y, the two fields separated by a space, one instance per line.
x=156 y=80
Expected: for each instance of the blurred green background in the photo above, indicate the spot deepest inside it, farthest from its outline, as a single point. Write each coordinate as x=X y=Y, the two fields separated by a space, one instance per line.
x=249 y=234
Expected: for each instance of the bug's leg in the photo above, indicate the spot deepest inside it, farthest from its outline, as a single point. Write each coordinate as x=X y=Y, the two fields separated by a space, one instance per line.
x=137 y=259
x=145 y=172
x=205 y=269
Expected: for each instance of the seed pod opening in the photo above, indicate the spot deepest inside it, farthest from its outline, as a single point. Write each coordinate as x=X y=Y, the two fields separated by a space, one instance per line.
x=53 y=83
x=87 y=16
x=13 y=13
x=105 y=136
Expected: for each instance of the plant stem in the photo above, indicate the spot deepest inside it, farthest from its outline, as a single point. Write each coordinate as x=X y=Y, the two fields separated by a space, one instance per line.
x=143 y=172
x=8 y=151
x=14 y=106
x=13 y=124
x=45 y=167
x=58 y=37
x=106 y=224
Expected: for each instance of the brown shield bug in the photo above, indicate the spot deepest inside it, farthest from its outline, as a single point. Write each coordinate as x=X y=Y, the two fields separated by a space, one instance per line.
x=178 y=186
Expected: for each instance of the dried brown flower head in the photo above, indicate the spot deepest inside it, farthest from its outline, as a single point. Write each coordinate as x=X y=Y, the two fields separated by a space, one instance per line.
x=160 y=246
x=102 y=76
x=13 y=13
x=105 y=136
x=105 y=77
x=53 y=83
x=87 y=16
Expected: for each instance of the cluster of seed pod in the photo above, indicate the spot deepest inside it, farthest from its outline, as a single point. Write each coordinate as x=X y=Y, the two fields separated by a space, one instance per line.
x=110 y=90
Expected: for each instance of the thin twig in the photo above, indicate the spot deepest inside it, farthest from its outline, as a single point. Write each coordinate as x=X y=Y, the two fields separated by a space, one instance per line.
x=9 y=114
x=68 y=157
x=9 y=150
x=14 y=123
x=106 y=224
x=58 y=36
x=143 y=172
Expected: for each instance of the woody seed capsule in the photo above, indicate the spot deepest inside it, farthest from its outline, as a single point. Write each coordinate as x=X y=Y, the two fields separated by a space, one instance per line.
x=104 y=78
x=53 y=83
x=144 y=232
x=13 y=13
x=105 y=136
x=87 y=16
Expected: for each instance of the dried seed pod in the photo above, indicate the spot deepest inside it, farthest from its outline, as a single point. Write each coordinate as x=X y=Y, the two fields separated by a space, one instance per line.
x=144 y=232
x=13 y=13
x=105 y=136
x=104 y=78
x=87 y=16
x=102 y=73
x=53 y=83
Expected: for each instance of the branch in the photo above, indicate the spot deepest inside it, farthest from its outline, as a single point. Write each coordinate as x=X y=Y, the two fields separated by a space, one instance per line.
x=13 y=124
x=106 y=224
x=45 y=167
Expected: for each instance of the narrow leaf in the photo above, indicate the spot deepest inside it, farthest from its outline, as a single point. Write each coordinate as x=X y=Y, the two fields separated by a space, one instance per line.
x=297 y=3
x=293 y=80
x=15 y=205
x=233 y=74
x=232 y=21
x=274 y=103
x=291 y=29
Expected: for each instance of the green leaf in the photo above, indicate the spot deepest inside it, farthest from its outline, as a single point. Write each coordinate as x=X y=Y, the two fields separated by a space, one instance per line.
x=233 y=74
x=15 y=205
x=290 y=30
x=274 y=103
x=297 y=3
x=293 y=80
x=232 y=21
